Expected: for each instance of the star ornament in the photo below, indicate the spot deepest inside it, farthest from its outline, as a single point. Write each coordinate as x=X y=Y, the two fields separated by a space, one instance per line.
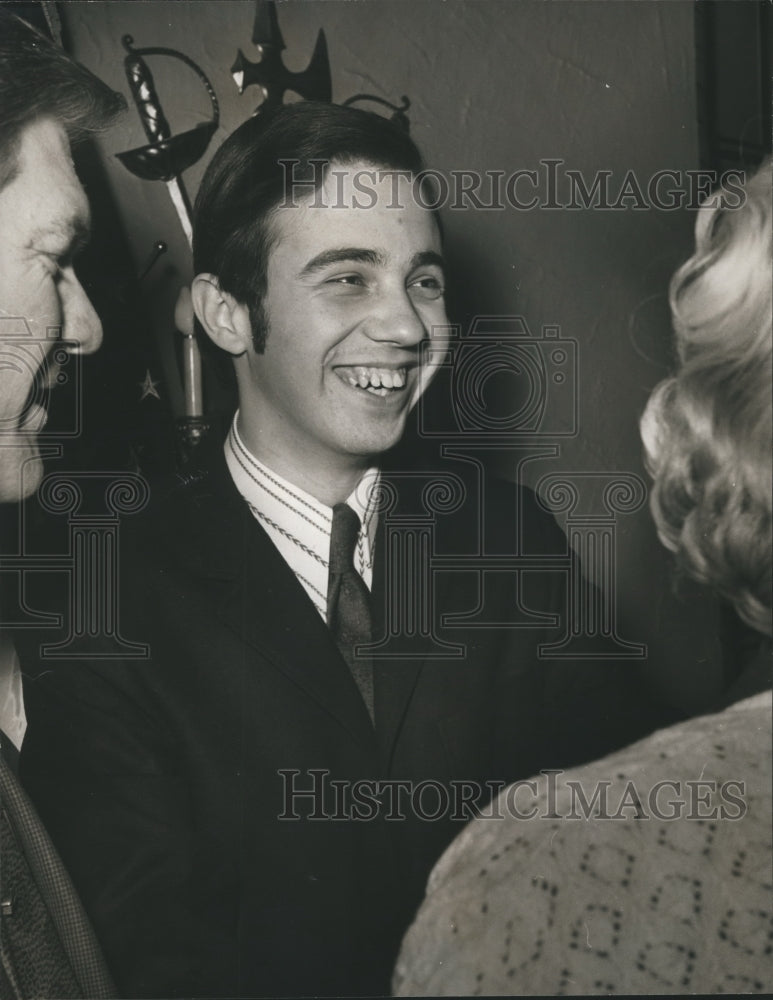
x=149 y=386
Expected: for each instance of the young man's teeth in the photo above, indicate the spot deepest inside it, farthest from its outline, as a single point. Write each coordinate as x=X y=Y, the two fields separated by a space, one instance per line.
x=378 y=380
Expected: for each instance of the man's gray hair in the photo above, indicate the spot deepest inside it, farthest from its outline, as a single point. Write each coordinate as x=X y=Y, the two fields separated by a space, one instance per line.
x=38 y=80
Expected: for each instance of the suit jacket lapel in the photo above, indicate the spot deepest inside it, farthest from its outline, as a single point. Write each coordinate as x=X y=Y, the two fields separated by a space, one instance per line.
x=269 y=609
x=265 y=605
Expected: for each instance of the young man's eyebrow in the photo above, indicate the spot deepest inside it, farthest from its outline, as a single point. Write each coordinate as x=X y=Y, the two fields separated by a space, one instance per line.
x=427 y=257
x=343 y=255
x=362 y=255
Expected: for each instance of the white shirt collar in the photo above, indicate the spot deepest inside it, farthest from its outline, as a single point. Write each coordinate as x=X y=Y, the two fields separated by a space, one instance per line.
x=297 y=523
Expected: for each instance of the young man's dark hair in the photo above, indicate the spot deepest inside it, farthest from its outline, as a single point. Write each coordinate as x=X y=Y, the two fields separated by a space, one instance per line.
x=38 y=80
x=253 y=173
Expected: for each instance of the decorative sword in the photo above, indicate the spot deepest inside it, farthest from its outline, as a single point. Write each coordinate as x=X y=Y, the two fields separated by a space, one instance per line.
x=166 y=156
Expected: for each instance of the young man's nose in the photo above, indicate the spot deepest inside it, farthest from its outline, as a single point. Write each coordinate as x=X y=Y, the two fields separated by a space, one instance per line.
x=396 y=320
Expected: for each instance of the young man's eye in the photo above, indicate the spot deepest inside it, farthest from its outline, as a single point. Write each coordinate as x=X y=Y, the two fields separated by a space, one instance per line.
x=346 y=280
x=428 y=286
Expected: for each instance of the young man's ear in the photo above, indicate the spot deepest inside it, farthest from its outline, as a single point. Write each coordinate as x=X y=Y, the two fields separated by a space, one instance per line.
x=226 y=321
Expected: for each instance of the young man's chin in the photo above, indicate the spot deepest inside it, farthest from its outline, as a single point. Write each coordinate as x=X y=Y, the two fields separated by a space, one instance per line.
x=377 y=441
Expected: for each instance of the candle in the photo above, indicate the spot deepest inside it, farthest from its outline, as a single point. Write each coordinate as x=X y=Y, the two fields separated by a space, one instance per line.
x=183 y=318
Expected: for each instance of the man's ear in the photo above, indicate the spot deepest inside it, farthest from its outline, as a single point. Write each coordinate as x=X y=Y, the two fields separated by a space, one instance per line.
x=226 y=321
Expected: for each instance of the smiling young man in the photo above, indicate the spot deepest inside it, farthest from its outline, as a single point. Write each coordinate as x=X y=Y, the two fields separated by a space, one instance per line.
x=254 y=795
x=351 y=295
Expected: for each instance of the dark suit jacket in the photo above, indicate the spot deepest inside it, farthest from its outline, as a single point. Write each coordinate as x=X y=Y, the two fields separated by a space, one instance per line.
x=47 y=948
x=163 y=782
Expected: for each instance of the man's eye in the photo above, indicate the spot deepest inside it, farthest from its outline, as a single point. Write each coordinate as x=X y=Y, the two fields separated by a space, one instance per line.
x=428 y=287
x=57 y=263
x=62 y=266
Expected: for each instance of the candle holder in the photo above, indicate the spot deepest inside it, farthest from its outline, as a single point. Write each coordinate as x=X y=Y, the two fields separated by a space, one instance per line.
x=189 y=434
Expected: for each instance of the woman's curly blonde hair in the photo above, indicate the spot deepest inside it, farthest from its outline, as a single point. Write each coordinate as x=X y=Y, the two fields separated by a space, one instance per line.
x=707 y=430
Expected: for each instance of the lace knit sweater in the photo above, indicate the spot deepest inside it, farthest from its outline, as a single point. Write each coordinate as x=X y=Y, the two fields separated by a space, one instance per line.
x=626 y=901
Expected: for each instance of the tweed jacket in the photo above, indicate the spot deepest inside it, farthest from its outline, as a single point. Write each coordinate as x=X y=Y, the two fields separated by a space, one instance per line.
x=47 y=946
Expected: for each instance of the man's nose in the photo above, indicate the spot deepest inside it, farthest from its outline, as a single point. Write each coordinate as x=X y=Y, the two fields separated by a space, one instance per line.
x=396 y=320
x=81 y=326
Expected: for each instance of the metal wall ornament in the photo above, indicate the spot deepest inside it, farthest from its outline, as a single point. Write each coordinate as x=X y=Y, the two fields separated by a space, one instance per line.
x=271 y=74
x=398 y=116
x=313 y=84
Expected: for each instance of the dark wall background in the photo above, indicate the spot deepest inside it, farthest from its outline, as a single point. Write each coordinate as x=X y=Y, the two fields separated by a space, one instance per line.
x=607 y=86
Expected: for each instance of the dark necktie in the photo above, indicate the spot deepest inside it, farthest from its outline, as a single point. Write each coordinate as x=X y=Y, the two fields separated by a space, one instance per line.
x=348 y=600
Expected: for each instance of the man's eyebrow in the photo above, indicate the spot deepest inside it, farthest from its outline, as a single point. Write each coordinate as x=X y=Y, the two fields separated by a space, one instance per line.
x=72 y=233
x=81 y=233
x=343 y=255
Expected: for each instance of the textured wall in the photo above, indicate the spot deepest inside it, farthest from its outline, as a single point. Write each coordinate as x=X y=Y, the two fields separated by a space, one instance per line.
x=494 y=86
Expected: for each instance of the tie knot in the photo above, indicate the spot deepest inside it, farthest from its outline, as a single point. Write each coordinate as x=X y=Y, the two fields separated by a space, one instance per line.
x=343 y=538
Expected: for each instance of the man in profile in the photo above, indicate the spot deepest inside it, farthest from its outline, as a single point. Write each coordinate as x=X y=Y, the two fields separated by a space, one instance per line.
x=47 y=947
x=232 y=807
